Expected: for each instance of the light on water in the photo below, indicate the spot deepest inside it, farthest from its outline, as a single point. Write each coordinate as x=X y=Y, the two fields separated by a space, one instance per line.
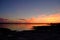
x=20 y=27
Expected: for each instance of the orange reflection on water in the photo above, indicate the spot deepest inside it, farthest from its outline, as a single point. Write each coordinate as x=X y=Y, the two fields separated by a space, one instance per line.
x=20 y=27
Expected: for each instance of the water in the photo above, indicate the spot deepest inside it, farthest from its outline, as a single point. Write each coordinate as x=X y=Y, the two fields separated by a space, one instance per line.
x=20 y=27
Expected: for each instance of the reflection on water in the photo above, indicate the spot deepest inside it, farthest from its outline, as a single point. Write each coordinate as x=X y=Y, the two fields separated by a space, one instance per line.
x=21 y=26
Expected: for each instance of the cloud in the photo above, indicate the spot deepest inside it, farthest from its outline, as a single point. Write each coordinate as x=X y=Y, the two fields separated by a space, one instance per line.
x=3 y=20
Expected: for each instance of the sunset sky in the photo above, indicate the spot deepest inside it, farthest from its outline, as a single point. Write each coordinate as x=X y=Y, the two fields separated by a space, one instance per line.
x=31 y=10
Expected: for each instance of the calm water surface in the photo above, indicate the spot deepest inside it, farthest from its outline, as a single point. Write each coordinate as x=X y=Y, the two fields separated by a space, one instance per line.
x=20 y=27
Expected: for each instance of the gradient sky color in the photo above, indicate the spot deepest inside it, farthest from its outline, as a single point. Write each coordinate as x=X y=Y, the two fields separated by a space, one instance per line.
x=21 y=9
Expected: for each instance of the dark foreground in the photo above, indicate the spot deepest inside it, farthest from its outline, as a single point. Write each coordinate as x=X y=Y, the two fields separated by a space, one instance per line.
x=40 y=33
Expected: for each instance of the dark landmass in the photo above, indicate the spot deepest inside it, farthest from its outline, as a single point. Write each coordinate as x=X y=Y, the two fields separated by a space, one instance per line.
x=51 y=32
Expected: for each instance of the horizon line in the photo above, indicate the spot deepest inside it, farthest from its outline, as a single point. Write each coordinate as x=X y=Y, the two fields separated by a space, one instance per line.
x=29 y=23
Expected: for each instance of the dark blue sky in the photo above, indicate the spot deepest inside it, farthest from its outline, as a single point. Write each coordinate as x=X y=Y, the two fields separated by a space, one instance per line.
x=17 y=9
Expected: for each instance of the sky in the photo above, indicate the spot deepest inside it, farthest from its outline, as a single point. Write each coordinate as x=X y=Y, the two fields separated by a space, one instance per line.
x=25 y=9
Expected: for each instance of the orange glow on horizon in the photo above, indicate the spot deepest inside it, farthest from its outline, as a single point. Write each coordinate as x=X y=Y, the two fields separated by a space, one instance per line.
x=53 y=18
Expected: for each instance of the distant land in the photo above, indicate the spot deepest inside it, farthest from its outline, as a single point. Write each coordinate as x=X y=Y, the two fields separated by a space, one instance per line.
x=29 y=23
